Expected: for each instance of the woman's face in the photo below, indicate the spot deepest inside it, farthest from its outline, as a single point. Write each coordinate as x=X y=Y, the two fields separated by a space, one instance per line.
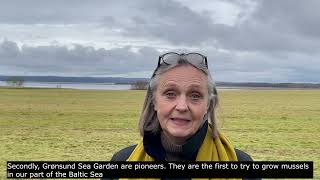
x=181 y=102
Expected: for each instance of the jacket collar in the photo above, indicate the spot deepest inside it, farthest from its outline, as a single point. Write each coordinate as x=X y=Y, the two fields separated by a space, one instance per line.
x=153 y=147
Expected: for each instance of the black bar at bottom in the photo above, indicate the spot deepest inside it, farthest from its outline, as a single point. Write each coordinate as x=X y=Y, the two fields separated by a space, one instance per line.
x=208 y=169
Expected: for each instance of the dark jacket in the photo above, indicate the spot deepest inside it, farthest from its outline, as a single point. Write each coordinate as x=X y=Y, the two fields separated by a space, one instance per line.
x=124 y=154
x=153 y=147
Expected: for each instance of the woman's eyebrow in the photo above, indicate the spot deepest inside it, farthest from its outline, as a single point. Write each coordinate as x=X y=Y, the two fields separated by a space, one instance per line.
x=195 y=86
x=170 y=84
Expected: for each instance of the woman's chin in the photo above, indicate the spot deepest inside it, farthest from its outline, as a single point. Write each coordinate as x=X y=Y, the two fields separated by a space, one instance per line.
x=179 y=135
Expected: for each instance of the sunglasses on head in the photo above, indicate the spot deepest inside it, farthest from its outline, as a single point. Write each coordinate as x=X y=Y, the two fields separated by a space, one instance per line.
x=173 y=58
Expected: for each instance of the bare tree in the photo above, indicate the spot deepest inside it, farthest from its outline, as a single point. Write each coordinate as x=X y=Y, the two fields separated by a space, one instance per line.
x=139 y=85
x=15 y=81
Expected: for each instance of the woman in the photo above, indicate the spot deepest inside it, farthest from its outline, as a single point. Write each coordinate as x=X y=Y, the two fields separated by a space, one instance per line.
x=180 y=100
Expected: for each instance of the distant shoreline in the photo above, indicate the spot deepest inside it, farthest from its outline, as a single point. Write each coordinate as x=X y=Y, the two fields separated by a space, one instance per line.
x=264 y=88
x=125 y=83
x=109 y=86
x=129 y=81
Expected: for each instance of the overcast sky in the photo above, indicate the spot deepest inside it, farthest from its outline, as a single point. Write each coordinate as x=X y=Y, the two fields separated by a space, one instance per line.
x=244 y=40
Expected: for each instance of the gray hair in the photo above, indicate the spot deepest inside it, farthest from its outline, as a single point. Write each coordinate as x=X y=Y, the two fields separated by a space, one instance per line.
x=148 y=118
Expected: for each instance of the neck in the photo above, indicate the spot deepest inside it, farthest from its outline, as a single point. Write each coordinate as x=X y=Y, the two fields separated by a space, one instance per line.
x=174 y=140
x=169 y=145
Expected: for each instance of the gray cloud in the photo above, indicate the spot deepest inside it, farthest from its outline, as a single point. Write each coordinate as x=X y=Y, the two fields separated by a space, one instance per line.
x=259 y=66
x=300 y=16
x=58 y=11
x=166 y=20
x=288 y=25
x=88 y=61
x=276 y=26
x=277 y=41
x=44 y=60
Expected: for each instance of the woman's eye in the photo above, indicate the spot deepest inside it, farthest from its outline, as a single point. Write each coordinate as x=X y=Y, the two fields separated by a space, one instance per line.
x=195 y=96
x=170 y=94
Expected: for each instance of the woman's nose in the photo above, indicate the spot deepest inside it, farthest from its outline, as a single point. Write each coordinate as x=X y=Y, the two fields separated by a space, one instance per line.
x=182 y=104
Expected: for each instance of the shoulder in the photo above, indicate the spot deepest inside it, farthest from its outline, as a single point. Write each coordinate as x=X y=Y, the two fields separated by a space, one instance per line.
x=124 y=154
x=242 y=156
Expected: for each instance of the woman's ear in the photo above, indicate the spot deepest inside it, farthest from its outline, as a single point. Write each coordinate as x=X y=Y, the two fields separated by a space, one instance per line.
x=154 y=104
x=210 y=101
x=205 y=117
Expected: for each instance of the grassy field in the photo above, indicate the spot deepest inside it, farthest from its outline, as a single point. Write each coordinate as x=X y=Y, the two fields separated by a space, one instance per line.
x=62 y=124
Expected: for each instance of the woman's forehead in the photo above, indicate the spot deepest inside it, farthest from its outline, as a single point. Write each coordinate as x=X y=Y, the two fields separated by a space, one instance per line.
x=183 y=72
x=187 y=76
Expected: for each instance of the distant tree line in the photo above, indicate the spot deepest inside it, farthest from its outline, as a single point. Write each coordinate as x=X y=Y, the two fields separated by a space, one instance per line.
x=270 y=85
x=114 y=80
x=15 y=81
x=140 y=85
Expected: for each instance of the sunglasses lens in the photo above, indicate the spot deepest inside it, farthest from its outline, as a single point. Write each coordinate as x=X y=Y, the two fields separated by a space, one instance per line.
x=171 y=58
x=195 y=59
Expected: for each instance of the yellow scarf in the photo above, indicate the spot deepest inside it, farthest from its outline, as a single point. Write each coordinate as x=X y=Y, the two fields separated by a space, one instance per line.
x=218 y=149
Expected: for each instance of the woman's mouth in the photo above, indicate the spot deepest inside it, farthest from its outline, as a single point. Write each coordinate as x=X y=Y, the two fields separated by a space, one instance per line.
x=180 y=121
